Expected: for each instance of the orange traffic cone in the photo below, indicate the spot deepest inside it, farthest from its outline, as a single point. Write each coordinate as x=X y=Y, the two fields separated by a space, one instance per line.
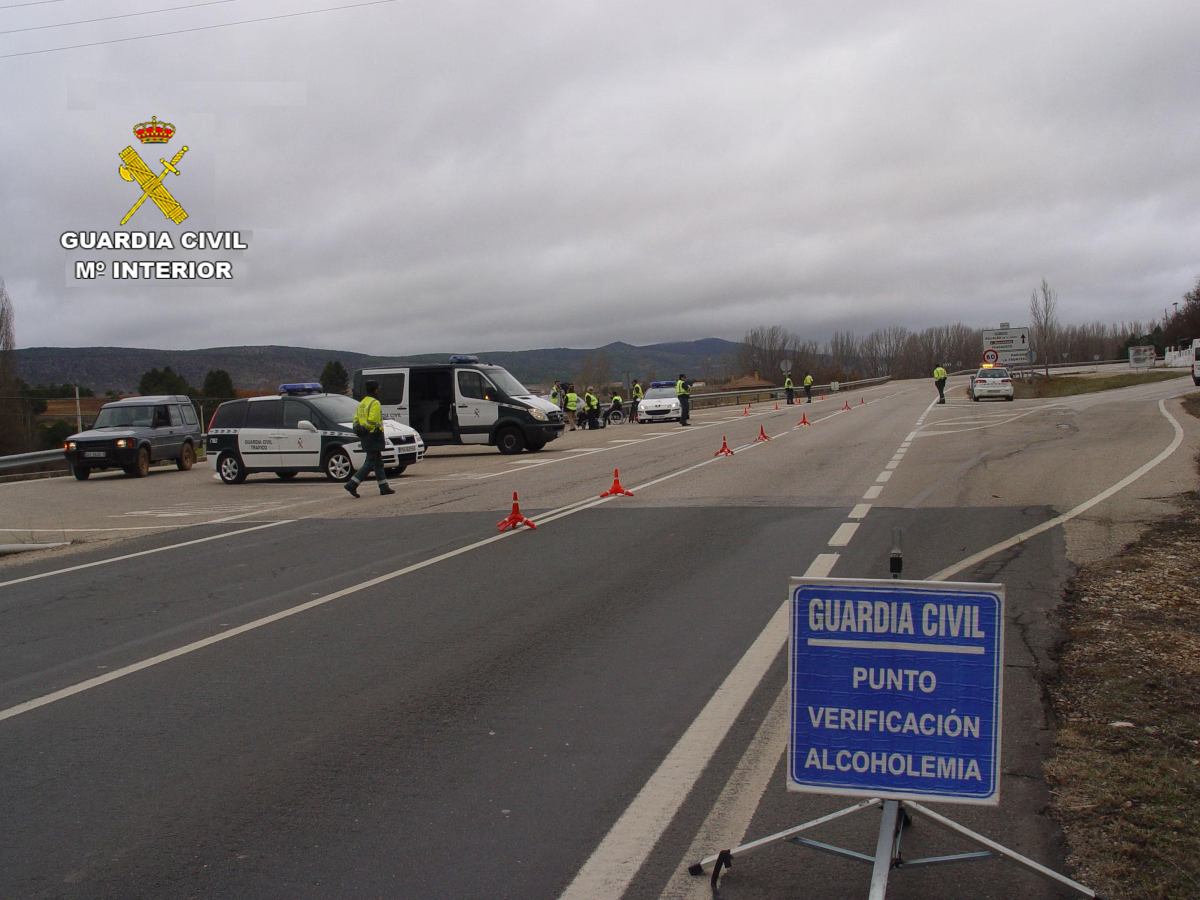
x=803 y=420
x=724 y=451
x=514 y=518
x=862 y=402
x=762 y=435
x=845 y=406
x=746 y=411
x=776 y=406
x=617 y=488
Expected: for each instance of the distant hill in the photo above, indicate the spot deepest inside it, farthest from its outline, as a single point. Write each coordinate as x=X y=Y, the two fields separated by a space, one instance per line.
x=120 y=368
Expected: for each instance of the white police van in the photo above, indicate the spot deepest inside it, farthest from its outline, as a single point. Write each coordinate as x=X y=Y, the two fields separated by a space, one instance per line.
x=301 y=430
x=465 y=402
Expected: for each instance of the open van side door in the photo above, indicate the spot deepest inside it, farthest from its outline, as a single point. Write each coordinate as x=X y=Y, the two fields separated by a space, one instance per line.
x=477 y=405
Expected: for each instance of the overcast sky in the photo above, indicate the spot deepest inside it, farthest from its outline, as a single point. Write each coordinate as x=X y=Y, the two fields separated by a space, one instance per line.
x=416 y=176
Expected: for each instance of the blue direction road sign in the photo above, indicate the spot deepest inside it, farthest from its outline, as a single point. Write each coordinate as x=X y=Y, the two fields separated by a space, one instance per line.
x=896 y=689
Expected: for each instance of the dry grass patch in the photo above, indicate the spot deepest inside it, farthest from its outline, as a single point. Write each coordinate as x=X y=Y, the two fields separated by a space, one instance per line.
x=1070 y=385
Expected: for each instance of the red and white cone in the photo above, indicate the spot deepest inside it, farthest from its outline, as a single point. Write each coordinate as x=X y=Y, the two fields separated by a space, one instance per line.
x=617 y=489
x=803 y=420
x=845 y=406
x=746 y=411
x=762 y=435
x=724 y=451
x=514 y=518
x=776 y=406
x=862 y=402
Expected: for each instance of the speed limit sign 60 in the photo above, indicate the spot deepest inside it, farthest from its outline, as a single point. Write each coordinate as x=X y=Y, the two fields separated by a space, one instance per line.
x=990 y=355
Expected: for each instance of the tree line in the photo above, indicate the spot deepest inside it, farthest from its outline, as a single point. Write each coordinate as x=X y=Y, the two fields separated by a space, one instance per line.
x=903 y=353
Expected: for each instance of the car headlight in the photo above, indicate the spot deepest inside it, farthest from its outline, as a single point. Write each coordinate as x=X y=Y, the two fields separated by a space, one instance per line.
x=538 y=415
x=69 y=445
x=122 y=443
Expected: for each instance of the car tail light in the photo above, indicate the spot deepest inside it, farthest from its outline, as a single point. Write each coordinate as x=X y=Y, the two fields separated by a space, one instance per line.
x=212 y=419
x=1006 y=381
x=981 y=381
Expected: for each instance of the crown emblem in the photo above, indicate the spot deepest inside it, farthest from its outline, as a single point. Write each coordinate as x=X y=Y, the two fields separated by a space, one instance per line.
x=154 y=131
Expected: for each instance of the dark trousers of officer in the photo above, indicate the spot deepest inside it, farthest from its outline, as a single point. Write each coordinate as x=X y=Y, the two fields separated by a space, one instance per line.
x=633 y=404
x=808 y=393
x=941 y=386
x=791 y=395
x=685 y=408
x=373 y=463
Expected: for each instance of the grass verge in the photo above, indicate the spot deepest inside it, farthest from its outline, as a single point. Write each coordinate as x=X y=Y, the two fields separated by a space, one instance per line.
x=1126 y=768
x=1070 y=385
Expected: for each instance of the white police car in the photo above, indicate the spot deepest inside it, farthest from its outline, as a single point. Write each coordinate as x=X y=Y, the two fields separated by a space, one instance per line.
x=660 y=403
x=301 y=430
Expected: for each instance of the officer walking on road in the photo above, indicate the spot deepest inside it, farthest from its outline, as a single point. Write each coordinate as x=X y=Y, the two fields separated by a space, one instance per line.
x=808 y=383
x=368 y=426
x=939 y=378
x=683 y=391
x=789 y=390
x=636 y=393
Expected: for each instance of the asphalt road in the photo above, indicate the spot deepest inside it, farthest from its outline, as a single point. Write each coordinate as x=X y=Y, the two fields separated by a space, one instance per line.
x=272 y=690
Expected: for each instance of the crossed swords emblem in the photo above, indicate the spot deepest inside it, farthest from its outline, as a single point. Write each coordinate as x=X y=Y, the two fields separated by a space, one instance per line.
x=135 y=169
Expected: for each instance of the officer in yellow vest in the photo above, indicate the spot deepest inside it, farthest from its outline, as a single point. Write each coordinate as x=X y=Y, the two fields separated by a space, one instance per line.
x=939 y=379
x=368 y=425
x=572 y=405
x=789 y=390
x=591 y=405
x=683 y=392
x=808 y=383
x=637 y=393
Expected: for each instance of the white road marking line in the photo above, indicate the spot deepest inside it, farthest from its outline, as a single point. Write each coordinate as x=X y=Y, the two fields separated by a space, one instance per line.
x=976 y=558
x=730 y=816
x=873 y=492
x=613 y=864
x=892 y=464
x=821 y=565
x=860 y=511
x=843 y=535
x=626 y=441
x=105 y=562
x=884 y=477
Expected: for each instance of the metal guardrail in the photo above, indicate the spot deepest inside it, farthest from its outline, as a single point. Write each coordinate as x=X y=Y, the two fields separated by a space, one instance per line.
x=40 y=458
x=757 y=395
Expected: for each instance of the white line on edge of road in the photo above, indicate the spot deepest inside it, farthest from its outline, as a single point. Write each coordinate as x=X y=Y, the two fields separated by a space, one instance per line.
x=976 y=558
x=113 y=559
x=613 y=864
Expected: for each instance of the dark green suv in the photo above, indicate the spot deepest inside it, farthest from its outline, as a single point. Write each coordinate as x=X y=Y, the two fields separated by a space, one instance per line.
x=131 y=434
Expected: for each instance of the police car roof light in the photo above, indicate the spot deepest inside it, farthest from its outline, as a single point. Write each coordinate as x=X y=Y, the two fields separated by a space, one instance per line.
x=302 y=387
x=655 y=384
x=462 y=359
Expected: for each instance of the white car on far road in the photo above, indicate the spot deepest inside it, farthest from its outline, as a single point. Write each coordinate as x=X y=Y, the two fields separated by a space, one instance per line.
x=660 y=405
x=991 y=381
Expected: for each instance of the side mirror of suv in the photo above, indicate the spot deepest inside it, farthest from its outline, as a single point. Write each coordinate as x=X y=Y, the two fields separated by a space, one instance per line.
x=306 y=425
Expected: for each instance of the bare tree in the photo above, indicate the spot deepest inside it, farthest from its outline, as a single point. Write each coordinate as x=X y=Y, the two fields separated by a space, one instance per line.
x=12 y=437
x=764 y=348
x=1043 y=323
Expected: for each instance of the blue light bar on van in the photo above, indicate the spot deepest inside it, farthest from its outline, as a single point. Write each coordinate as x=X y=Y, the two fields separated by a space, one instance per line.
x=655 y=384
x=300 y=388
x=463 y=359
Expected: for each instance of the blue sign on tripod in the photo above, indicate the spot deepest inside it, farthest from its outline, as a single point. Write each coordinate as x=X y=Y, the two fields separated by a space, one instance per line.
x=896 y=689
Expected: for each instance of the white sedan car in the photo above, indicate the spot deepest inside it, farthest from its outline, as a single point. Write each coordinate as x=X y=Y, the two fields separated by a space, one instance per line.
x=991 y=381
x=659 y=405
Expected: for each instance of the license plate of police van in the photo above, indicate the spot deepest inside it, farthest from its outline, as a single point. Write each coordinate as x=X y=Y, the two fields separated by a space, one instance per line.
x=95 y=454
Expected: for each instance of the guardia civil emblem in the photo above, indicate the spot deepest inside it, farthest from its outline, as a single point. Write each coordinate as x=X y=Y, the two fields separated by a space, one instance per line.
x=133 y=168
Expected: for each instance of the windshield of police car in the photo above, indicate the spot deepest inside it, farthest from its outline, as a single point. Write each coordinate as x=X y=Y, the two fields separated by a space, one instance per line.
x=335 y=407
x=660 y=393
